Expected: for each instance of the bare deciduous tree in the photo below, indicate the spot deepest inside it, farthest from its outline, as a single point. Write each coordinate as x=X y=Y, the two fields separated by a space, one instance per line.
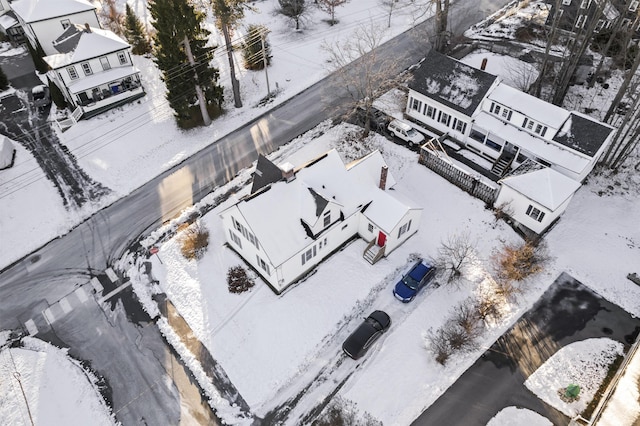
x=329 y=6
x=455 y=255
x=362 y=72
x=388 y=6
x=293 y=9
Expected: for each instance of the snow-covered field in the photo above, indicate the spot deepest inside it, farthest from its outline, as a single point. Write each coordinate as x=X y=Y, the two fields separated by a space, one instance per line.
x=268 y=344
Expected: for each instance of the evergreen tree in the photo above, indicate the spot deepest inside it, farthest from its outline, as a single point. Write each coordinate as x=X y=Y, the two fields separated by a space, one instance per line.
x=36 y=55
x=175 y=20
x=56 y=95
x=135 y=33
x=252 y=53
x=4 y=81
x=293 y=9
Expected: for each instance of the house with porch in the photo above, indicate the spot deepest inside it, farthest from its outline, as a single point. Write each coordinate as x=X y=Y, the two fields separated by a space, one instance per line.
x=507 y=128
x=44 y=20
x=297 y=216
x=93 y=69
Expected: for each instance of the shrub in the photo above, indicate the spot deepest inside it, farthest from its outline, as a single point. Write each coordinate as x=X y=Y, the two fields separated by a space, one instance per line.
x=238 y=280
x=455 y=255
x=517 y=262
x=341 y=412
x=194 y=241
x=252 y=52
x=438 y=342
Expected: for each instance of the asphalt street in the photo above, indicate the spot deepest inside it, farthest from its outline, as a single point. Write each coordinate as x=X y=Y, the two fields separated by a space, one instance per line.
x=54 y=271
x=567 y=312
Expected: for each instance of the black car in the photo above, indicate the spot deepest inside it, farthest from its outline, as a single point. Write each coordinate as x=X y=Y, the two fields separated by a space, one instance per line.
x=359 y=342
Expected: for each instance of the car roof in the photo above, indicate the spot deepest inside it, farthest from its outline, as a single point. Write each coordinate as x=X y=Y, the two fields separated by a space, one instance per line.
x=403 y=125
x=419 y=271
x=382 y=318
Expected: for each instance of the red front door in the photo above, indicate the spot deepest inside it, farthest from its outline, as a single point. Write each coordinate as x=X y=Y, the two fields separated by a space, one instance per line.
x=381 y=239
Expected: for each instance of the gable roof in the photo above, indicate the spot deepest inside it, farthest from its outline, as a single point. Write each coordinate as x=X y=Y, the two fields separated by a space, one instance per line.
x=266 y=173
x=274 y=214
x=40 y=10
x=541 y=184
x=451 y=82
x=78 y=43
x=583 y=134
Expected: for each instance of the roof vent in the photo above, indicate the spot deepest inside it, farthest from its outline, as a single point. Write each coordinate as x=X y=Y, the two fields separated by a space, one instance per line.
x=287 y=171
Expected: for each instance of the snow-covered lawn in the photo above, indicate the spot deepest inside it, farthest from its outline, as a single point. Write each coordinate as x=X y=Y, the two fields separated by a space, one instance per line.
x=518 y=416
x=42 y=385
x=585 y=363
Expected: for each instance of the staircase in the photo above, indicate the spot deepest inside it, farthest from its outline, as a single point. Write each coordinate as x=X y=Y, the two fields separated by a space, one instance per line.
x=502 y=164
x=373 y=252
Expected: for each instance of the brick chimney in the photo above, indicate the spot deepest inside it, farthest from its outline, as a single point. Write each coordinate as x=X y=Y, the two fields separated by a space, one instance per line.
x=87 y=28
x=287 y=171
x=383 y=177
x=483 y=66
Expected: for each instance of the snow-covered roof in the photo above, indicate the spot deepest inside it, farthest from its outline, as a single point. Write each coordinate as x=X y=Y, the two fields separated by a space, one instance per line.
x=543 y=185
x=40 y=10
x=544 y=149
x=78 y=43
x=6 y=152
x=274 y=214
x=7 y=21
x=451 y=82
x=534 y=108
x=583 y=133
x=102 y=77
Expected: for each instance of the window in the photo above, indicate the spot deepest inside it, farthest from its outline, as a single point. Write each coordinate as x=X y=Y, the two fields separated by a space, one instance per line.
x=506 y=114
x=322 y=243
x=431 y=112
x=73 y=74
x=460 y=126
x=477 y=135
x=585 y=4
x=105 y=63
x=65 y=23
x=633 y=6
x=600 y=24
x=404 y=228
x=235 y=238
x=86 y=68
x=327 y=219
x=416 y=104
x=263 y=264
x=625 y=22
x=370 y=227
x=581 y=21
x=501 y=111
x=493 y=145
x=306 y=256
x=535 y=213
x=444 y=118
x=495 y=108
x=122 y=58
x=245 y=233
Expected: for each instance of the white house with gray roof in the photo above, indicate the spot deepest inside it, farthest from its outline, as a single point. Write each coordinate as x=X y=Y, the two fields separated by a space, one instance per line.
x=93 y=69
x=296 y=217
x=509 y=128
x=44 y=20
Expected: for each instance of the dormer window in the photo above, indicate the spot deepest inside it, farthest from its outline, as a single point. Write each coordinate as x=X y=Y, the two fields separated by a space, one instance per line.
x=65 y=23
x=500 y=111
x=327 y=219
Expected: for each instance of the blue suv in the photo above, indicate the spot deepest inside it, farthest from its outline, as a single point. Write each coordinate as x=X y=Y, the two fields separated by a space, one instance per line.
x=413 y=281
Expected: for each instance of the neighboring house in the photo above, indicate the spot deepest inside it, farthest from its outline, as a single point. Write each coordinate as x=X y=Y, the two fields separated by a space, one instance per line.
x=535 y=196
x=509 y=128
x=44 y=20
x=576 y=15
x=93 y=69
x=9 y=25
x=294 y=218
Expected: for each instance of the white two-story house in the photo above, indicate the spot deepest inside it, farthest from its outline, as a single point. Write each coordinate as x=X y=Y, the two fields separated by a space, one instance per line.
x=93 y=69
x=512 y=130
x=44 y=20
x=296 y=217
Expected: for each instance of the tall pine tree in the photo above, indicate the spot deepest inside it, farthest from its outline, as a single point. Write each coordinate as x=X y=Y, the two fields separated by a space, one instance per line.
x=175 y=20
x=135 y=33
x=4 y=81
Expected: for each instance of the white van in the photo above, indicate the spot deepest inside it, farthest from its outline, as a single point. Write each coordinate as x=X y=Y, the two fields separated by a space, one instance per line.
x=404 y=131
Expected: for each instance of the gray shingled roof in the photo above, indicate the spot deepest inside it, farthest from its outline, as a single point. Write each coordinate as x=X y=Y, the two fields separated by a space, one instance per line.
x=582 y=134
x=452 y=83
x=68 y=40
x=265 y=174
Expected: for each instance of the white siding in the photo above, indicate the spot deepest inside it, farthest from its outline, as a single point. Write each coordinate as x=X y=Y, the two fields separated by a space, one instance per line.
x=519 y=205
x=436 y=121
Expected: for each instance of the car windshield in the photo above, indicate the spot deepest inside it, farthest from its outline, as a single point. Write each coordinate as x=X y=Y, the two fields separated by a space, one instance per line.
x=412 y=132
x=410 y=282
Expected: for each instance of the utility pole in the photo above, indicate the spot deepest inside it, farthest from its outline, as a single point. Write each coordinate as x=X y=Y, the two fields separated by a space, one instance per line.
x=263 y=33
x=235 y=85
x=201 y=100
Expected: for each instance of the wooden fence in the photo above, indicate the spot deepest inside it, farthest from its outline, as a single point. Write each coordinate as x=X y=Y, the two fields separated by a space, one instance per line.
x=458 y=176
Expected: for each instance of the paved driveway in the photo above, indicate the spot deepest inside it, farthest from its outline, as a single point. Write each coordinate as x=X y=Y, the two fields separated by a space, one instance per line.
x=567 y=312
